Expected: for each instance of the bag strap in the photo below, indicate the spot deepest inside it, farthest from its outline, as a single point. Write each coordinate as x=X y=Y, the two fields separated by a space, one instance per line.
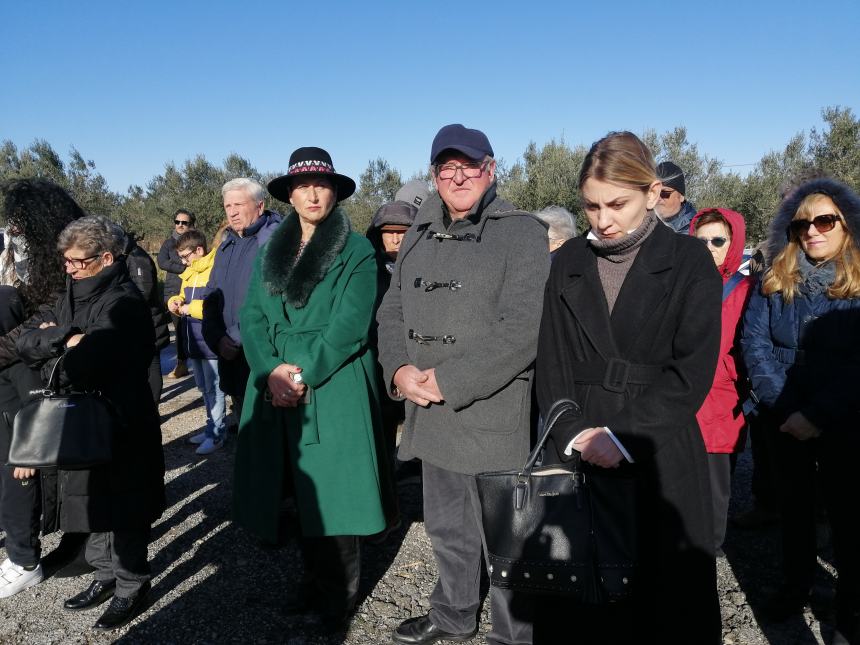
x=49 y=388
x=558 y=409
x=729 y=286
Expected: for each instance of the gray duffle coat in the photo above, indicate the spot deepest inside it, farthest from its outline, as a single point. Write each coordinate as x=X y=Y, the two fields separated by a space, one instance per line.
x=466 y=300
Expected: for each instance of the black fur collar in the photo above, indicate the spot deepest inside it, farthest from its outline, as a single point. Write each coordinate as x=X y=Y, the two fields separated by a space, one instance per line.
x=296 y=281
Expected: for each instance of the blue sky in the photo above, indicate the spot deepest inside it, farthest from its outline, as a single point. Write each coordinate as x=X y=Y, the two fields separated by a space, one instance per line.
x=135 y=85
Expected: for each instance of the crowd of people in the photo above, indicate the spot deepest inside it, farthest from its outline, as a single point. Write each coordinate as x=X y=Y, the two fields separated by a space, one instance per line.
x=445 y=333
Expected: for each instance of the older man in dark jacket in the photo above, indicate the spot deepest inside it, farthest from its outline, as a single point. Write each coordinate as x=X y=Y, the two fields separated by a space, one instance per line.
x=457 y=338
x=250 y=226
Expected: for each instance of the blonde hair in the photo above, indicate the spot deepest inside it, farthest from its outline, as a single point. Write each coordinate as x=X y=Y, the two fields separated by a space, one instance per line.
x=219 y=234
x=620 y=158
x=784 y=276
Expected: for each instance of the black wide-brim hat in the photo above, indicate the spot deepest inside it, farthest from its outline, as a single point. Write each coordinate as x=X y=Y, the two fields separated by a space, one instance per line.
x=310 y=161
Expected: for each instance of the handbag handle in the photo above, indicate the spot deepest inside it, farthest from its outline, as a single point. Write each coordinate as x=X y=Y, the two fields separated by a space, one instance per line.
x=558 y=409
x=49 y=390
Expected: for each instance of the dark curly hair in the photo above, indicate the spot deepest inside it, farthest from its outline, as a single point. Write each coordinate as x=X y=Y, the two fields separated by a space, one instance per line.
x=38 y=210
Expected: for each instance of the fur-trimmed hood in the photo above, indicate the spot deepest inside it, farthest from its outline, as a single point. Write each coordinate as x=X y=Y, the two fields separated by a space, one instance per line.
x=295 y=281
x=845 y=199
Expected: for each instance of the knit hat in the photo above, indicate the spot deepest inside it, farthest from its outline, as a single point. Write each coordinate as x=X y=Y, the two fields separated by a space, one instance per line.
x=672 y=176
x=413 y=193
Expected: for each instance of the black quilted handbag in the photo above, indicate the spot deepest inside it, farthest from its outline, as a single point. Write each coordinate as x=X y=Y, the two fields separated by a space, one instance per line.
x=567 y=529
x=70 y=431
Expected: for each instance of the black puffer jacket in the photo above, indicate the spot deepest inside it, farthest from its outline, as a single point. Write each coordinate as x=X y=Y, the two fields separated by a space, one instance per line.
x=113 y=357
x=141 y=268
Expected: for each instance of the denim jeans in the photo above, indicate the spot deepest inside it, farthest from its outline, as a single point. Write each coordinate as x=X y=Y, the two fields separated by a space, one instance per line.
x=206 y=376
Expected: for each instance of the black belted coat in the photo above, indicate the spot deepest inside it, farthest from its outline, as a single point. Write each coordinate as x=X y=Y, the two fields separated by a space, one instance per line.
x=643 y=372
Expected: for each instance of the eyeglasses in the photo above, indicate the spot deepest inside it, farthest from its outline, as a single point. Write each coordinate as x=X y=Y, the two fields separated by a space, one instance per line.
x=822 y=224
x=80 y=263
x=470 y=170
x=185 y=256
x=717 y=242
x=666 y=194
x=182 y=222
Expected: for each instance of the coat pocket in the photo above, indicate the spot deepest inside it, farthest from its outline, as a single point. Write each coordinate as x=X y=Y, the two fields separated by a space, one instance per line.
x=501 y=412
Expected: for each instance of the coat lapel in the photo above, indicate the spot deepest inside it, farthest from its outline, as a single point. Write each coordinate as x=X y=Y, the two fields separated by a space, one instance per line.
x=644 y=287
x=584 y=297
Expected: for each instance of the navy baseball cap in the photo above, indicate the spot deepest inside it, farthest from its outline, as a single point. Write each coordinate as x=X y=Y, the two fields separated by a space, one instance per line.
x=472 y=143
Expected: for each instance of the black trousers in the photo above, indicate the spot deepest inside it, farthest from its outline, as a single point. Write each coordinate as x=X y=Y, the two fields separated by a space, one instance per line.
x=20 y=500
x=452 y=519
x=833 y=457
x=20 y=513
x=720 y=469
x=156 y=383
x=763 y=476
x=120 y=556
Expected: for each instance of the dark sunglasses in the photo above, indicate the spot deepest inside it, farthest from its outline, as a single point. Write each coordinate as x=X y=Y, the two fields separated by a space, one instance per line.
x=666 y=194
x=822 y=224
x=716 y=242
x=181 y=222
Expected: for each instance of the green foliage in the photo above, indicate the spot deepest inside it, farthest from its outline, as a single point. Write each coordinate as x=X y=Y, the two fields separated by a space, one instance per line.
x=544 y=176
x=377 y=185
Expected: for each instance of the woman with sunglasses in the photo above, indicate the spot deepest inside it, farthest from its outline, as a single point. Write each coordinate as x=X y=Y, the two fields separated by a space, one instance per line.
x=801 y=345
x=720 y=417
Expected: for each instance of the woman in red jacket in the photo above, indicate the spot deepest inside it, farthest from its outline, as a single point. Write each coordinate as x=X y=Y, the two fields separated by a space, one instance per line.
x=720 y=417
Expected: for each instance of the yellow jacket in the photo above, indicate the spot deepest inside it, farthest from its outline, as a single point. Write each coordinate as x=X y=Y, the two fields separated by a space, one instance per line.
x=194 y=281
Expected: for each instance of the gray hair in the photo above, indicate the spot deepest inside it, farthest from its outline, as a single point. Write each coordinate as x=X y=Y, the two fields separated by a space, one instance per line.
x=93 y=234
x=561 y=222
x=252 y=187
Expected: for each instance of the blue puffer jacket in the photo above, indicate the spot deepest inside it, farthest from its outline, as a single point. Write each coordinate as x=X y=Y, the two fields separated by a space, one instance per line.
x=805 y=355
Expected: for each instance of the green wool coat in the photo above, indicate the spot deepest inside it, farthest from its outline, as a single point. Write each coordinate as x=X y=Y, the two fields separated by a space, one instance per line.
x=315 y=314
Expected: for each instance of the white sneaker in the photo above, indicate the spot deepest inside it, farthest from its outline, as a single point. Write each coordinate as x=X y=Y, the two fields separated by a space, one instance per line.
x=209 y=446
x=14 y=578
x=197 y=439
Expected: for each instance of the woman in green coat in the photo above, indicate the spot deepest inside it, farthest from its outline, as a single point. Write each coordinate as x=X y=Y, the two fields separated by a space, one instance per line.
x=311 y=424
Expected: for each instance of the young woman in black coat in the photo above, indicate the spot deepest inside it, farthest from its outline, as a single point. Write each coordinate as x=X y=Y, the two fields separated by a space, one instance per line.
x=631 y=331
x=102 y=330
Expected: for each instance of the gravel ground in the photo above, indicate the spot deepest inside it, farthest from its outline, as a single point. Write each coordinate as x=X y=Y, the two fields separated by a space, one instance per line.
x=215 y=584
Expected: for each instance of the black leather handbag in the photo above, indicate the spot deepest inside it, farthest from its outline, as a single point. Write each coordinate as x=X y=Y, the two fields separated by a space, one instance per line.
x=567 y=529
x=70 y=431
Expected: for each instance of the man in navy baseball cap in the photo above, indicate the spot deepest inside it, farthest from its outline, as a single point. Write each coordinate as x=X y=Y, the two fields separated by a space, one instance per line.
x=472 y=143
x=466 y=395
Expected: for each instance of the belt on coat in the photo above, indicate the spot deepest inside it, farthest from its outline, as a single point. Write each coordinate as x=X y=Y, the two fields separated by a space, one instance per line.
x=615 y=374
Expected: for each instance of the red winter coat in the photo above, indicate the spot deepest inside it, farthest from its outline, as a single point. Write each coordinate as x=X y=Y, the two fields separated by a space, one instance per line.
x=720 y=416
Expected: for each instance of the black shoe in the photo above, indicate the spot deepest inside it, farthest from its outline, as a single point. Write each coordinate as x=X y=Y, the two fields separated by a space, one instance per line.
x=123 y=610
x=784 y=604
x=421 y=631
x=93 y=595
